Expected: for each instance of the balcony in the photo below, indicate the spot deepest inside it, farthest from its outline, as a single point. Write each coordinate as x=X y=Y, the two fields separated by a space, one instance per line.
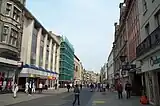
x=152 y=41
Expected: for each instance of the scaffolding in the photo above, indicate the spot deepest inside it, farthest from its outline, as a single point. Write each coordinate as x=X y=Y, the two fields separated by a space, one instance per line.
x=66 y=60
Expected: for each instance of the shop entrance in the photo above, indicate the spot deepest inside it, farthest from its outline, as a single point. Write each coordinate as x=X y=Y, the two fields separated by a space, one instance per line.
x=159 y=81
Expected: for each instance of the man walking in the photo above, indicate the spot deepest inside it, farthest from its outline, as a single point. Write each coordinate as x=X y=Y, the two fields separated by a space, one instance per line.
x=68 y=87
x=76 y=94
x=119 y=90
x=128 y=89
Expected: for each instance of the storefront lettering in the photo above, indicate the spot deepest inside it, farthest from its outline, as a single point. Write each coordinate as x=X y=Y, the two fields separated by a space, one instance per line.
x=154 y=61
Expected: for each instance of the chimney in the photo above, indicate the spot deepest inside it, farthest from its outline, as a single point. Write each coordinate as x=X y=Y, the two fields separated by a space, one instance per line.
x=115 y=24
x=121 y=5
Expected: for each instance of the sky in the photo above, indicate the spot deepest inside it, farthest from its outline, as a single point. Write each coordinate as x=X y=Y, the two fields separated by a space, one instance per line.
x=88 y=24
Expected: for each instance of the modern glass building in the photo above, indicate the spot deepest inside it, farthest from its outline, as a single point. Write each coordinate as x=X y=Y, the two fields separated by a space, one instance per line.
x=66 y=60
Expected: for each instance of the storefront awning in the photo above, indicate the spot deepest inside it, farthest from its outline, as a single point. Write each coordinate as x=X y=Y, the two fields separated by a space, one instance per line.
x=38 y=68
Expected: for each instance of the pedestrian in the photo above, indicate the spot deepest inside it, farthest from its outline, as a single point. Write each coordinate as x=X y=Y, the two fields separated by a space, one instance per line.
x=128 y=89
x=40 y=87
x=33 y=88
x=30 y=89
x=26 y=87
x=68 y=87
x=119 y=88
x=76 y=95
x=104 y=87
x=81 y=86
x=55 y=86
x=15 y=90
x=108 y=86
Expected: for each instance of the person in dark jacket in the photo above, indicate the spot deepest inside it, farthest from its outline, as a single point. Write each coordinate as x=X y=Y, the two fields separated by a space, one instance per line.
x=76 y=94
x=68 y=87
x=128 y=89
x=119 y=89
x=81 y=86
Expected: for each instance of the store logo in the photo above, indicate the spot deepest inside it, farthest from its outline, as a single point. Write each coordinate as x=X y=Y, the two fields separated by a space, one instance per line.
x=154 y=60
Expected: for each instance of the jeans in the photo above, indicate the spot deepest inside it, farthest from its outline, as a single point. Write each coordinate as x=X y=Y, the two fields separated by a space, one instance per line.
x=120 y=95
x=75 y=99
x=128 y=94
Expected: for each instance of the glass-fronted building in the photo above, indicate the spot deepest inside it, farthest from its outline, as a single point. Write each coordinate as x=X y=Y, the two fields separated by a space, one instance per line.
x=66 y=60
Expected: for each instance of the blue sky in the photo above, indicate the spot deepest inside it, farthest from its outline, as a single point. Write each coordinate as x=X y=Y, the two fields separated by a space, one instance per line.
x=88 y=24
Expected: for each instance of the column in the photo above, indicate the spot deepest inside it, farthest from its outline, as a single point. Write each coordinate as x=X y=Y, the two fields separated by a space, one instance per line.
x=38 y=46
x=28 y=32
x=57 y=59
x=44 y=50
x=57 y=63
x=50 y=53
x=54 y=57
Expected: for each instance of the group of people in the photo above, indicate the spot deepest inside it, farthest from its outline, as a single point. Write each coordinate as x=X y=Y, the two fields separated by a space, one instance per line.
x=99 y=86
x=128 y=88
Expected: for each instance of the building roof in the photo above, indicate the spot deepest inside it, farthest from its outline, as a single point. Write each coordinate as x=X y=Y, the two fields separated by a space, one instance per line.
x=76 y=57
x=29 y=15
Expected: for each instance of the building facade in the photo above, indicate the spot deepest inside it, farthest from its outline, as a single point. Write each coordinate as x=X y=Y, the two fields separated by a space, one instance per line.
x=103 y=73
x=39 y=54
x=11 y=28
x=110 y=69
x=77 y=70
x=120 y=50
x=148 y=51
x=133 y=39
x=66 y=61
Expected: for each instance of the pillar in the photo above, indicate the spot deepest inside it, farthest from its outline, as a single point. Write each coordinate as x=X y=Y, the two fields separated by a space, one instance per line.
x=57 y=63
x=54 y=57
x=44 y=50
x=50 y=53
x=38 y=46
x=29 y=31
x=57 y=59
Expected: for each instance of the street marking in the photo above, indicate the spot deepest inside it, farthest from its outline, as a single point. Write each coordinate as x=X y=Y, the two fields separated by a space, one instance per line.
x=98 y=102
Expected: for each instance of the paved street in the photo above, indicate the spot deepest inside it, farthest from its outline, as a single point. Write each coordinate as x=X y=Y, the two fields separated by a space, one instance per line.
x=7 y=99
x=87 y=99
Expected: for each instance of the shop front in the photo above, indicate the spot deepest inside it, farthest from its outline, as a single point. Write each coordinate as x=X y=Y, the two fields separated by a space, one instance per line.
x=8 y=70
x=37 y=76
x=151 y=69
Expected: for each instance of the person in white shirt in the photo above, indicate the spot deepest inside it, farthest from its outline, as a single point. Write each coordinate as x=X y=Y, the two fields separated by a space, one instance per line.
x=40 y=87
x=15 y=90
x=26 y=87
x=104 y=87
x=71 y=85
x=33 y=88
x=4 y=85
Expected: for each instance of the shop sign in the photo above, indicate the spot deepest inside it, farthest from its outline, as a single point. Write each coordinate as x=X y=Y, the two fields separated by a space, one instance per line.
x=32 y=75
x=154 y=60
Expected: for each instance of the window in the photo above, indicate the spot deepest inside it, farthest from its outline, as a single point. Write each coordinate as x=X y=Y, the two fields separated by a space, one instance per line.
x=8 y=9
x=13 y=37
x=41 y=50
x=147 y=29
x=5 y=33
x=144 y=6
x=157 y=18
x=16 y=14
